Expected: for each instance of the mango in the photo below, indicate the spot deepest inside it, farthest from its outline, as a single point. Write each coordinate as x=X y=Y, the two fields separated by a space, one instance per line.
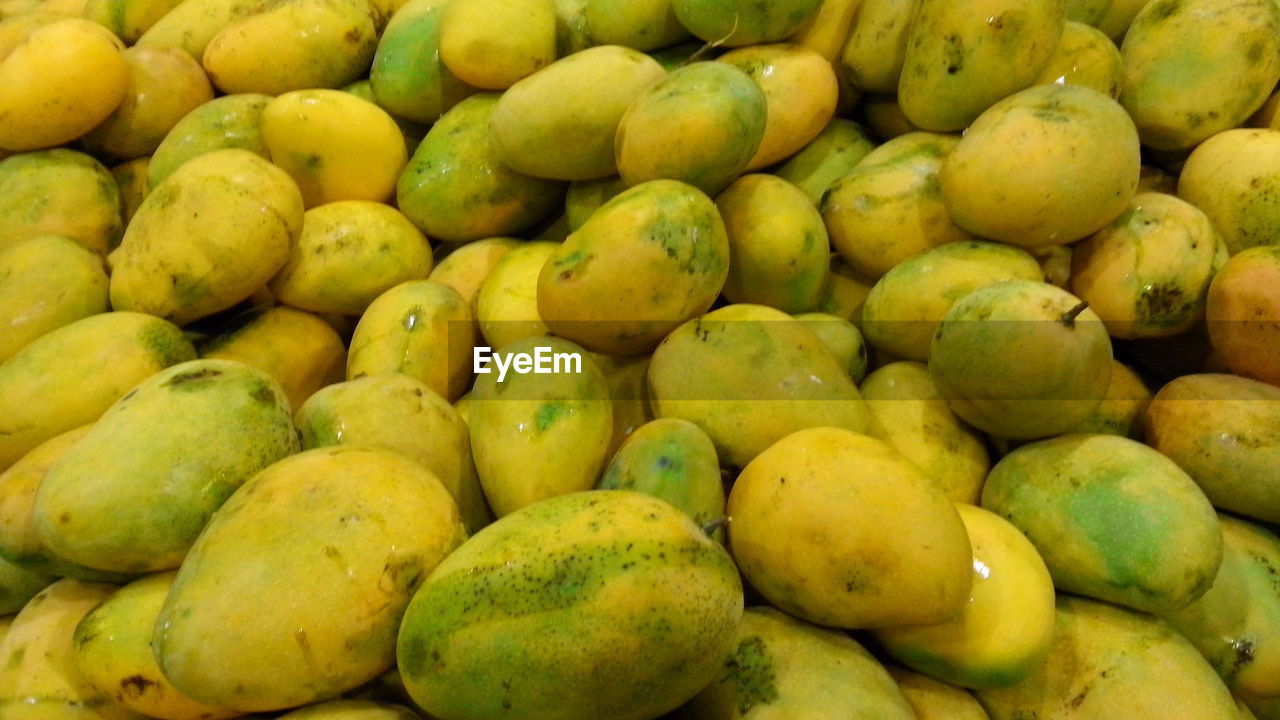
x=836 y=528
x=407 y=77
x=1241 y=310
x=128 y=19
x=491 y=44
x=351 y=710
x=627 y=602
x=70 y=376
x=506 y=305
x=1085 y=56
x=1122 y=408
x=749 y=375
x=27 y=270
x=876 y=46
x=231 y=121
x=1112 y=518
x=313 y=560
x=131 y=179
x=466 y=267
x=735 y=23
x=192 y=25
x=1221 y=430
x=842 y=339
x=58 y=192
x=640 y=24
x=672 y=460
x=1232 y=178
x=935 y=700
x=584 y=197
x=828 y=157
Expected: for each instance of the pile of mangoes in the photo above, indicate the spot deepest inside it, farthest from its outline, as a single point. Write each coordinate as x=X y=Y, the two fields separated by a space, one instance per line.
x=639 y=359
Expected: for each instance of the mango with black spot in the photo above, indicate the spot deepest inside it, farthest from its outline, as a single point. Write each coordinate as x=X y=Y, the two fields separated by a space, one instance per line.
x=396 y=412
x=135 y=492
x=1193 y=68
x=539 y=435
x=313 y=561
x=749 y=375
x=112 y=651
x=209 y=236
x=782 y=667
x=454 y=188
x=627 y=602
x=1109 y=662
x=70 y=376
x=646 y=261
x=1112 y=518
x=230 y=121
x=1232 y=177
x=1221 y=429
x=837 y=528
x=407 y=76
x=59 y=192
x=28 y=269
x=671 y=460
x=421 y=328
x=700 y=124
x=735 y=23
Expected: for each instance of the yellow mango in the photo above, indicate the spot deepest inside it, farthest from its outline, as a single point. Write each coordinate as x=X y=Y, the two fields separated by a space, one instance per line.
x=313 y=561
x=842 y=339
x=466 y=267
x=839 y=529
x=164 y=85
x=131 y=179
x=782 y=667
x=350 y=252
x=27 y=270
x=112 y=652
x=876 y=45
x=645 y=262
x=1232 y=178
x=579 y=99
x=935 y=700
x=735 y=23
x=671 y=460
x=231 y=121
x=539 y=435
x=128 y=19
x=395 y=412
x=70 y=376
x=39 y=679
x=493 y=43
x=58 y=83
x=207 y=237
x=351 y=710
x=827 y=28
x=1107 y=663
x=58 y=192
x=847 y=291
x=407 y=77
x=420 y=328
x=298 y=350
x=639 y=24
x=749 y=375
x=1219 y=429
x=1122 y=408
x=290 y=45
x=1242 y=308
x=800 y=90
x=506 y=305
x=192 y=24
x=1084 y=56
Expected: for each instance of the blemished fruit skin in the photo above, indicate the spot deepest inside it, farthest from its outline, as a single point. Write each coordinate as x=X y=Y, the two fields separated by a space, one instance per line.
x=672 y=460
x=627 y=602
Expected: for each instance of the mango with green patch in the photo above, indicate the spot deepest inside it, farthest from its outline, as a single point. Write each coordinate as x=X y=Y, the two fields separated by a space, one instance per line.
x=230 y=121
x=640 y=24
x=1232 y=178
x=407 y=76
x=58 y=192
x=836 y=150
x=735 y=23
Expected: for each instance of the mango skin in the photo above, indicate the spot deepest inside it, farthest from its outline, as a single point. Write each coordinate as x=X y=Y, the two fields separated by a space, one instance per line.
x=1084 y=56
x=1110 y=662
x=492 y=44
x=39 y=679
x=1059 y=161
x=112 y=651
x=935 y=700
x=1122 y=408
x=128 y=19
x=191 y=26
x=671 y=460
x=735 y=23
x=230 y=121
x=842 y=339
x=584 y=197
x=1221 y=430
x=455 y=189
x=782 y=667
x=58 y=192
x=466 y=267
x=210 y=235
x=70 y=376
x=1241 y=312
x=909 y=414
x=1113 y=519
x=627 y=601
x=421 y=328
x=643 y=25
x=395 y=412
x=27 y=270
x=582 y=97
x=536 y=436
x=962 y=57
x=1193 y=68
x=358 y=528
x=648 y=260
x=351 y=710
x=749 y=375
x=835 y=151
x=408 y=79
x=18 y=585
x=876 y=46
x=700 y=124
x=1232 y=178
x=102 y=505
x=506 y=305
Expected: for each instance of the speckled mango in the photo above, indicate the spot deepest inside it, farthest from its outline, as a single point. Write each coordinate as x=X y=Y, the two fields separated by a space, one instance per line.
x=1193 y=68
x=627 y=602
x=313 y=562
x=396 y=412
x=645 y=262
x=455 y=189
x=782 y=667
x=538 y=435
x=1221 y=429
x=837 y=528
x=71 y=375
x=671 y=460
x=1232 y=177
x=749 y=375
x=210 y=235
x=1113 y=519
x=134 y=493
x=964 y=56
x=1109 y=662
x=58 y=192
x=1241 y=312
x=28 y=269
x=231 y=121
x=112 y=652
